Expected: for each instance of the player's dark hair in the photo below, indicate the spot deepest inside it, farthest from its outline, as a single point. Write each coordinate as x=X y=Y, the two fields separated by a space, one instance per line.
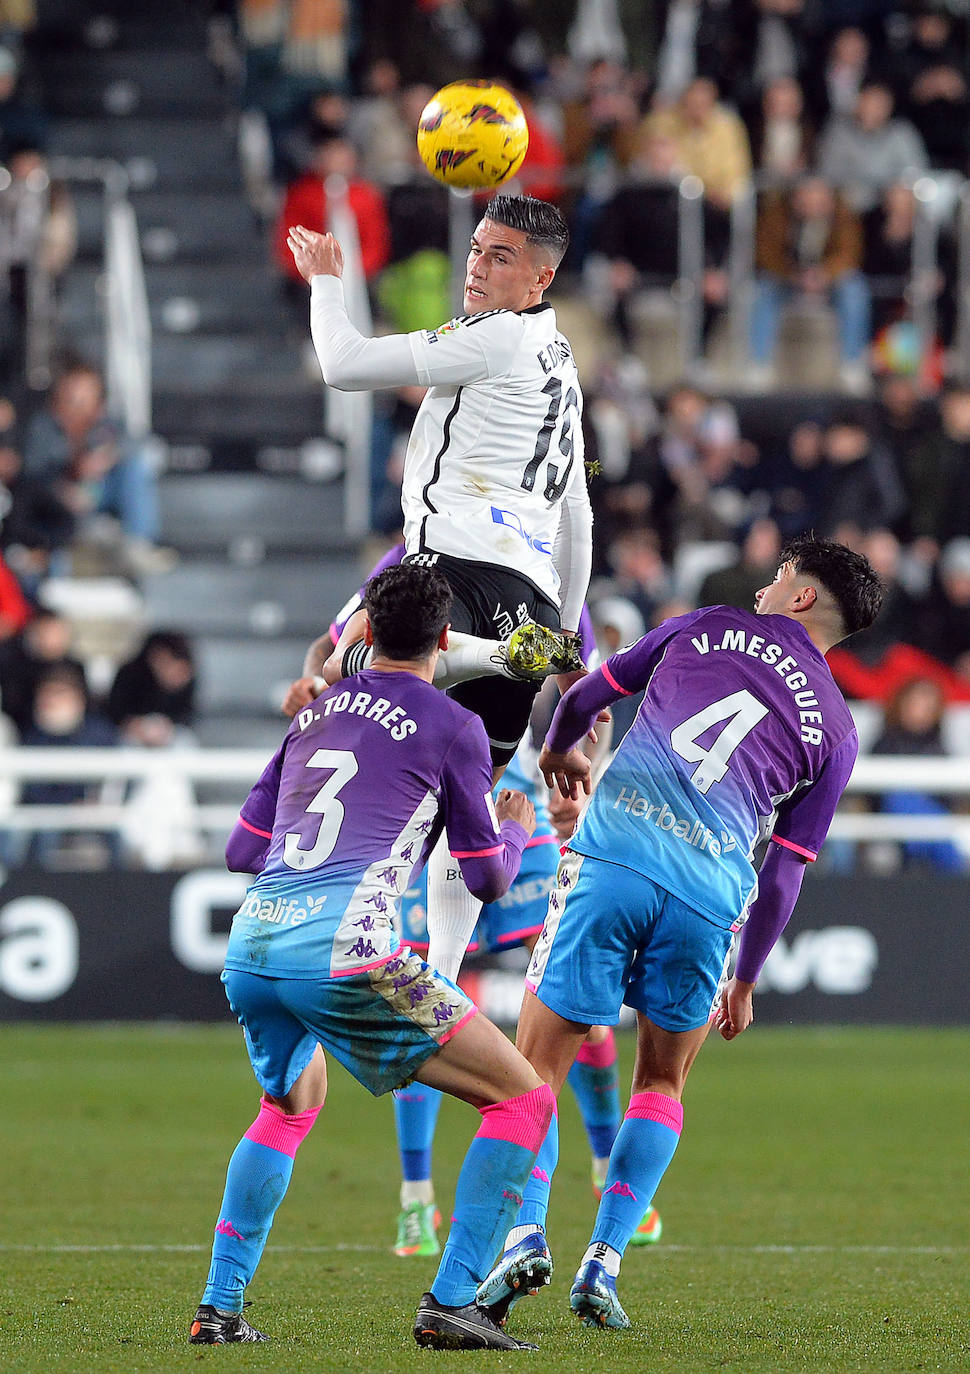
x=408 y=607
x=541 y=222
x=848 y=577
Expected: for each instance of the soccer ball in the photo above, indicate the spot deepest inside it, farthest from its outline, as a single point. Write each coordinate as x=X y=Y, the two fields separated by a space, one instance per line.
x=472 y=133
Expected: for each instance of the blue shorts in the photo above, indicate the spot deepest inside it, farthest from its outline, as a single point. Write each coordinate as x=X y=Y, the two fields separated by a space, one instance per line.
x=513 y=918
x=613 y=936
x=382 y=1024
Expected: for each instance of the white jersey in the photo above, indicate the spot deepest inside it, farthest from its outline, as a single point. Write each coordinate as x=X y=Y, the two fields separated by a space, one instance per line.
x=495 y=464
x=490 y=462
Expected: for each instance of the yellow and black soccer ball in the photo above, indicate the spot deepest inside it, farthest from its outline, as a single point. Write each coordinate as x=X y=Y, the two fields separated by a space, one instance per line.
x=473 y=134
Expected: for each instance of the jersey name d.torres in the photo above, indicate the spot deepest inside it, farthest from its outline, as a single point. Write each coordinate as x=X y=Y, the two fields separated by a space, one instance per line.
x=490 y=462
x=742 y=735
x=352 y=802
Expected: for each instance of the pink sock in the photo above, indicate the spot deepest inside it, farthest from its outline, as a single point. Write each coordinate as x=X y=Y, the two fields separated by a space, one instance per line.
x=657 y=1107
x=521 y=1120
x=279 y=1130
x=599 y=1056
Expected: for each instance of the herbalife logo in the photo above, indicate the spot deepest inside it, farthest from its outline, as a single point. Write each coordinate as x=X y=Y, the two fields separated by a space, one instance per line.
x=691 y=830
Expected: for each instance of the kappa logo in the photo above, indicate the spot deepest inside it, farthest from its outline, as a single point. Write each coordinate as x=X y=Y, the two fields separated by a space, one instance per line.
x=623 y=1190
x=226 y=1228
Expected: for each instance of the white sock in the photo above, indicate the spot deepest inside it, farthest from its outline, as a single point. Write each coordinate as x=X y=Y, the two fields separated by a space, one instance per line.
x=600 y=1166
x=605 y=1255
x=518 y=1233
x=467 y=656
x=417 y=1190
x=452 y=912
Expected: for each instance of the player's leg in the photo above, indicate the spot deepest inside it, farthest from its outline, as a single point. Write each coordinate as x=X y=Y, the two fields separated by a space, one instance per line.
x=291 y=1069
x=595 y=1081
x=416 y=1108
x=479 y=1065
x=643 y=1149
x=565 y=995
x=673 y=983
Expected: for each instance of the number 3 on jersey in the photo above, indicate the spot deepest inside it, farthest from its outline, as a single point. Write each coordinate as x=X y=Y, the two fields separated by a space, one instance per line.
x=740 y=712
x=327 y=806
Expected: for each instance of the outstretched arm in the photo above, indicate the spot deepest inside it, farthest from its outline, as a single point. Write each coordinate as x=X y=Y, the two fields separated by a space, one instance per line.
x=351 y=362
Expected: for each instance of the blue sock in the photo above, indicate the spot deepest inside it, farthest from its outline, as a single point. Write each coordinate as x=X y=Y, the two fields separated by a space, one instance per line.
x=416 y=1110
x=256 y=1183
x=535 y=1197
x=643 y=1148
x=597 y=1089
x=488 y=1194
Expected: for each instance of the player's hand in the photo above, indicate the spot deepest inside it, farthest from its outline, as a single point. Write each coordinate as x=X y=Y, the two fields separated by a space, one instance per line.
x=315 y=255
x=563 y=813
x=300 y=693
x=568 y=772
x=515 y=806
x=735 y=1013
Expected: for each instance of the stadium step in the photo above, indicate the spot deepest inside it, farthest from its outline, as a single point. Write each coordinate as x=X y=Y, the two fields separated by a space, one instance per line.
x=249 y=513
x=277 y=597
x=176 y=152
x=120 y=84
x=285 y=412
x=247 y=675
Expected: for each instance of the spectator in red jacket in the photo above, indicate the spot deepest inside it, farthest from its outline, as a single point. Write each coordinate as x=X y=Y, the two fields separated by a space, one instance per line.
x=306 y=204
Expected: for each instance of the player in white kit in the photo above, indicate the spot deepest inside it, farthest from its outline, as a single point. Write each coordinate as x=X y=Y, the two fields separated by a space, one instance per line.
x=494 y=490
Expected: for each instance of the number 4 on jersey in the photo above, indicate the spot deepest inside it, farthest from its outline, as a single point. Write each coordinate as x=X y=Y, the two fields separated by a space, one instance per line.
x=740 y=712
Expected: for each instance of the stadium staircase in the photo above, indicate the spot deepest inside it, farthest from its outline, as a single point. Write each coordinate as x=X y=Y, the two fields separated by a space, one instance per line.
x=262 y=550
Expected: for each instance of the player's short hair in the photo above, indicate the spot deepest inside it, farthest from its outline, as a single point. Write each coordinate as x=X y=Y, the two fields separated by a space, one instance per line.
x=848 y=577
x=540 y=221
x=408 y=607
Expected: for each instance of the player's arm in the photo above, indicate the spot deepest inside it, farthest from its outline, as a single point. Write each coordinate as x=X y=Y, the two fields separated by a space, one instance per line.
x=572 y=552
x=351 y=362
x=486 y=839
x=249 y=840
x=779 y=883
x=800 y=829
x=623 y=674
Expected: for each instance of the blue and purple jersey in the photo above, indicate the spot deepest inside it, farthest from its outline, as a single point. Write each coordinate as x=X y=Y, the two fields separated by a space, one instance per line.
x=349 y=806
x=742 y=734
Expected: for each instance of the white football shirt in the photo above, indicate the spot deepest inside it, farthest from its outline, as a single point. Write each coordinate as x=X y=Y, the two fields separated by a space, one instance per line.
x=495 y=464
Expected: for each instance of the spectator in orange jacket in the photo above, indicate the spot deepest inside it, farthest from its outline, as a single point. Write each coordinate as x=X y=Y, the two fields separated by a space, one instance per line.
x=306 y=203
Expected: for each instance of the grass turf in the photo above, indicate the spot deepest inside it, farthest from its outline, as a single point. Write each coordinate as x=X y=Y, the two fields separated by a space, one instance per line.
x=815 y=1214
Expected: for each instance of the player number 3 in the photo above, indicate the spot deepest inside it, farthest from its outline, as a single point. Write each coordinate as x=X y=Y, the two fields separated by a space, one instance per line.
x=740 y=712
x=325 y=804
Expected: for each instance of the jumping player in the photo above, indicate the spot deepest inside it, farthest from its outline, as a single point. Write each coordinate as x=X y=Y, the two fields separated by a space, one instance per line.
x=494 y=490
x=742 y=736
x=313 y=961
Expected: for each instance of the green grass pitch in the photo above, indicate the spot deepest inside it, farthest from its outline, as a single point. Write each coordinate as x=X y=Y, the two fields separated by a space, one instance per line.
x=816 y=1215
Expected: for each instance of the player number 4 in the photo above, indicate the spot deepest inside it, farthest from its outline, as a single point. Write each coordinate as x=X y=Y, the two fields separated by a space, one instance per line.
x=740 y=713
x=325 y=804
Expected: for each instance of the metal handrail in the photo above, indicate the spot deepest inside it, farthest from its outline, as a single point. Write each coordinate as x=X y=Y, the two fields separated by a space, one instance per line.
x=128 y=331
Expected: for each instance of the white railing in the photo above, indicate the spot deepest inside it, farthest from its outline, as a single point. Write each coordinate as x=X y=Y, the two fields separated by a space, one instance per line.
x=128 y=332
x=239 y=768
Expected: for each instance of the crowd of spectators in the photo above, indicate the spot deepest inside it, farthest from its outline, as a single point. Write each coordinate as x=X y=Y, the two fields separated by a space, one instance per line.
x=827 y=114
x=831 y=113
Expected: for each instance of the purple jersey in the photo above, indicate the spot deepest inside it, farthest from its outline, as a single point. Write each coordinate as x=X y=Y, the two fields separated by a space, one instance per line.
x=742 y=734
x=351 y=804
